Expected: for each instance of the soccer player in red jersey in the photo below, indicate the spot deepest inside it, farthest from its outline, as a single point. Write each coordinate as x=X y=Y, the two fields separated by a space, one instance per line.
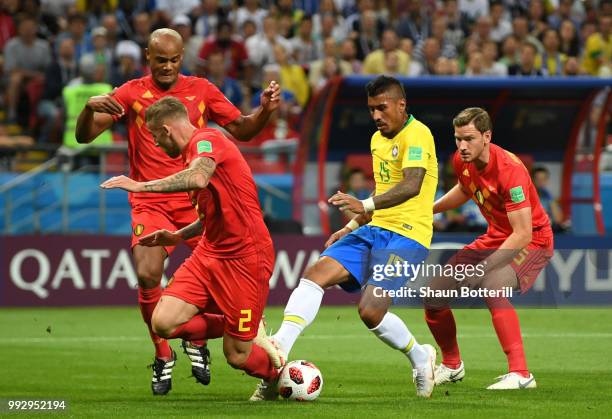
x=151 y=212
x=516 y=247
x=229 y=270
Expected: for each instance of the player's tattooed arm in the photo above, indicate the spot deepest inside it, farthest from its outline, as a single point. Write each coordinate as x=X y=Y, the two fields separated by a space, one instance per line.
x=192 y=230
x=407 y=188
x=195 y=177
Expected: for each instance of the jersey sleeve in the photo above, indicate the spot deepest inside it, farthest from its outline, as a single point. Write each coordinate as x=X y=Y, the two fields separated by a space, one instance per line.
x=515 y=185
x=122 y=95
x=206 y=144
x=218 y=107
x=418 y=150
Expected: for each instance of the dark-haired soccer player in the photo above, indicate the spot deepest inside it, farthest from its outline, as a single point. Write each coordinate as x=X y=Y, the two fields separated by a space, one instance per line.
x=151 y=212
x=406 y=175
x=229 y=270
x=515 y=248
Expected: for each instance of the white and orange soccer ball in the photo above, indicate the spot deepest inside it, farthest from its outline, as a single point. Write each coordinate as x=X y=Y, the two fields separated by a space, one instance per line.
x=300 y=380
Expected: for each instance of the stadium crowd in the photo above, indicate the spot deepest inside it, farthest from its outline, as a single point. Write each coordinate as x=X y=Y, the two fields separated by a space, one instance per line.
x=50 y=45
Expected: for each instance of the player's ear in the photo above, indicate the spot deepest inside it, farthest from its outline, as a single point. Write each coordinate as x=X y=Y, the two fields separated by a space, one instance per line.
x=402 y=104
x=147 y=54
x=487 y=136
x=166 y=129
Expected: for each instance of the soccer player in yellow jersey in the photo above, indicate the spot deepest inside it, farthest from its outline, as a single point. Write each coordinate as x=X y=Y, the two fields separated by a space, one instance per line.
x=400 y=230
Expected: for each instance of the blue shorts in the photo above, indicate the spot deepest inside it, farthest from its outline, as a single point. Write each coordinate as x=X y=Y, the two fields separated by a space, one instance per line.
x=377 y=256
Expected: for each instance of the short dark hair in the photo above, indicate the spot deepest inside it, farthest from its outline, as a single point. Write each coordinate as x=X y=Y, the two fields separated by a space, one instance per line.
x=478 y=116
x=540 y=169
x=166 y=107
x=382 y=84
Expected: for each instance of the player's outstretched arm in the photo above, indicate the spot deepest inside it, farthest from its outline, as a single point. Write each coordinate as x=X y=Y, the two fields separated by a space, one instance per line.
x=96 y=117
x=246 y=127
x=352 y=225
x=407 y=188
x=451 y=199
x=195 y=177
x=169 y=238
x=522 y=228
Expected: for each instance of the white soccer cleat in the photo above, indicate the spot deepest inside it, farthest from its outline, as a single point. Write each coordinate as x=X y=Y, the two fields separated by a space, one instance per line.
x=513 y=381
x=423 y=376
x=265 y=391
x=276 y=355
x=445 y=374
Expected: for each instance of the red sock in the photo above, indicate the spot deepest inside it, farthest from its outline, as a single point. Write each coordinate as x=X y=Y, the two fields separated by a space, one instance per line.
x=508 y=329
x=200 y=327
x=258 y=365
x=147 y=299
x=442 y=325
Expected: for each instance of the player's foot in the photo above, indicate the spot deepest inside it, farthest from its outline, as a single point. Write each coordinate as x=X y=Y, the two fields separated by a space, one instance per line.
x=444 y=374
x=265 y=391
x=277 y=356
x=200 y=361
x=513 y=381
x=423 y=375
x=161 y=383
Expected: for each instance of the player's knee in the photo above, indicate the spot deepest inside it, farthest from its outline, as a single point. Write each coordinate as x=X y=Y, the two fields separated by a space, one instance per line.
x=371 y=315
x=147 y=277
x=162 y=326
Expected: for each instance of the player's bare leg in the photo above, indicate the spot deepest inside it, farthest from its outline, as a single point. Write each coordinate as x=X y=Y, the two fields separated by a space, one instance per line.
x=373 y=310
x=508 y=330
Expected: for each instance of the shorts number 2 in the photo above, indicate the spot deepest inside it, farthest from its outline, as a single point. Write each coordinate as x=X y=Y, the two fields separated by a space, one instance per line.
x=245 y=317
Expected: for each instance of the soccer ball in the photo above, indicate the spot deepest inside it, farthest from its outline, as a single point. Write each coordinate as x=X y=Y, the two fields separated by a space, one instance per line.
x=300 y=380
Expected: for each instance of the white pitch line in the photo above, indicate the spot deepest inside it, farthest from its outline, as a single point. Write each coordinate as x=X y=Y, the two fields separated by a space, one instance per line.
x=99 y=339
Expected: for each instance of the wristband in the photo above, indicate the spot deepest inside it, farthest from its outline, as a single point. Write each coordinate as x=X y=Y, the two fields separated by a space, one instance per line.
x=352 y=225
x=368 y=204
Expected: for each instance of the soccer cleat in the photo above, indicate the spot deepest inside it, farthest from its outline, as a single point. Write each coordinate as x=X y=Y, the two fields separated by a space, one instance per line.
x=444 y=374
x=200 y=361
x=265 y=391
x=423 y=376
x=161 y=383
x=513 y=381
x=276 y=355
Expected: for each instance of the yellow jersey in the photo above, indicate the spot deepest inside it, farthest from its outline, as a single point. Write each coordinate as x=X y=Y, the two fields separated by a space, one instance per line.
x=413 y=146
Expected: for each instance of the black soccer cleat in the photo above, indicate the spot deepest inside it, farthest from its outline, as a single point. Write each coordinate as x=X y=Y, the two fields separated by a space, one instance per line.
x=161 y=383
x=200 y=361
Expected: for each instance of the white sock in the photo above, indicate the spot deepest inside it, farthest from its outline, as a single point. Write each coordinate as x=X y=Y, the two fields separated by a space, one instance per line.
x=394 y=333
x=301 y=309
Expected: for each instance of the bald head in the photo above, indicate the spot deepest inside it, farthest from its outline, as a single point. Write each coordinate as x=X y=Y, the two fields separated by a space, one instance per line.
x=165 y=56
x=163 y=35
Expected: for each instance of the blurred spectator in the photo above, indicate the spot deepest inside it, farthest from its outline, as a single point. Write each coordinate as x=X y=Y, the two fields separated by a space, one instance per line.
x=569 y=41
x=440 y=32
x=598 y=48
x=348 y=53
x=76 y=94
x=249 y=29
x=447 y=67
x=7 y=26
x=329 y=28
x=102 y=53
x=520 y=28
x=231 y=46
x=128 y=54
x=431 y=53
x=526 y=65
x=26 y=58
x=458 y=22
x=192 y=43
x=331 y=69
x=113 y=30
x=587 y=29
x=551 y=61
x=561 y=13
x=288 y=15
x=510 y=51
x=357 y=184
x=77 y=30
x=415 y=24
x=537 y=18
x=491 y=66
x=168 y=9
x=94 y=10
x=330 y=50
x=302 y=44
x=57 y=76
x=355 y=22
x=367 y=38
x=207 y=17
x=327 y=11
x=571 y=67
x=249 y=11
x=259 y=47
x=541 y=179
x=141 y=23
x=500 y=22
x=475 y=65
x=216 y=73
x=286 y=26
x=380 y=60
x=482 y=29
x=474 y=9
x=292 y=76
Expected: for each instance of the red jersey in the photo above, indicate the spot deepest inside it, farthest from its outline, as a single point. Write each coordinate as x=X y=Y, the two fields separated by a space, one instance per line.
x=502 y=187
x=228 y=207
x=203 y=100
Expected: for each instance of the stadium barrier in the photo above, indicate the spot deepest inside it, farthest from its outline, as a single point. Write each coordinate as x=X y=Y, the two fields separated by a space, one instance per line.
x=97 y=270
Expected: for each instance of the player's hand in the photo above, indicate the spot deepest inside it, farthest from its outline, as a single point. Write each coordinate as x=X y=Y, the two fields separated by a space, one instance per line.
x=123 y=182
x=160 y=238
x=270 y=97
x=337 y=236
x=346 y=202
x=105 y=104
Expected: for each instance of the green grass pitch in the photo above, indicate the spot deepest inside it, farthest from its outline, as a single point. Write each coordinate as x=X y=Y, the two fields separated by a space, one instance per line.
x=96 y=359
